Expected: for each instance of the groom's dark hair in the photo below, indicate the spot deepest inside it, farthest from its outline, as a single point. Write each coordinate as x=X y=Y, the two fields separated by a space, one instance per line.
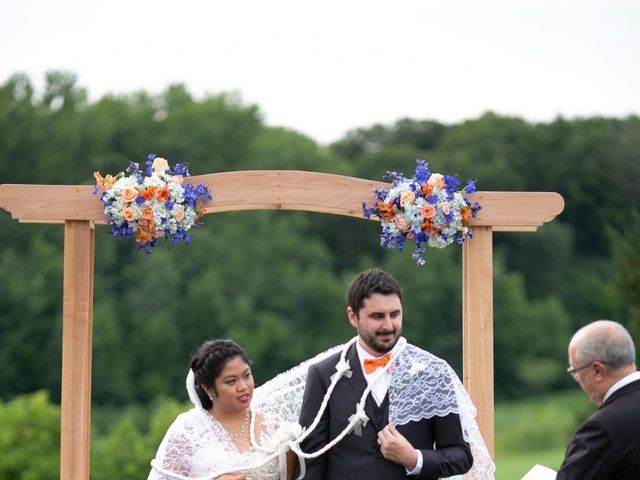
x=369 y=282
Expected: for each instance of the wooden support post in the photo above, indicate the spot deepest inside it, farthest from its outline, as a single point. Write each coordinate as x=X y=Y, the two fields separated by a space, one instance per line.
x=477 y=327
x=77 y=332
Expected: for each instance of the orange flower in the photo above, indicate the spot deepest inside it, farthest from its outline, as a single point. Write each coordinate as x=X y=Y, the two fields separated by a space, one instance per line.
x=427 y=226
x=436 y=180
x=466 y=215
x=402 y=223
x=178 y=213
x=143 y=236
x=106 y=182
x=127 y=213
x=149 y=192
x=426 y=189
x=147 y=213
x=146 y=231
x=387 y=210
x=160 y=165
x=407 y=198
x=99 y=179
x=163 y=196
x=428 y=211
x=129 y=194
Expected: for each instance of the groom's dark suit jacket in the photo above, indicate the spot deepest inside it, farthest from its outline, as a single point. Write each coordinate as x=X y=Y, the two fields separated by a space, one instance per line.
x=607 y=445
x=444 y=451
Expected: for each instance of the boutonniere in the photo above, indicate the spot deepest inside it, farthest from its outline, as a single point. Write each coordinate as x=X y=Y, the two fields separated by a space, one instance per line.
x=416 y=368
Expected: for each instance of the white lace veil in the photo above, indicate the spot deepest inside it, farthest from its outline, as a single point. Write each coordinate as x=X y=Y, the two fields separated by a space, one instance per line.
x=422 y=386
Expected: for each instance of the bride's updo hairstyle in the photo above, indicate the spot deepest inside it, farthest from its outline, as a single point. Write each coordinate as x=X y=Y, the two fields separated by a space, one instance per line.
x=208 y=362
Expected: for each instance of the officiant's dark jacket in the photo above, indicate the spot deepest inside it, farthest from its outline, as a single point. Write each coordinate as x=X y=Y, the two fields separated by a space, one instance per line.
x=607 y=445
x=444 y=451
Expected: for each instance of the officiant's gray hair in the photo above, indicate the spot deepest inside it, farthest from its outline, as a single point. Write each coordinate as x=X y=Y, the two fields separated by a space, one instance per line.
x=207 y=364
x=369 y=282
x=606 y=341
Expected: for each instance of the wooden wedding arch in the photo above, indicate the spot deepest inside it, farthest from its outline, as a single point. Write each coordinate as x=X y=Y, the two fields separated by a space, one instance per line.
x=79 y=210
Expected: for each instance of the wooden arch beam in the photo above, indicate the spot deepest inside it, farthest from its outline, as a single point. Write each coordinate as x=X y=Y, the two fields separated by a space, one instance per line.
x=276 y=190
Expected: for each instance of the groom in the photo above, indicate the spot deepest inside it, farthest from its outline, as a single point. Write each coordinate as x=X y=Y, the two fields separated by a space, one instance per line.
x=431 y=447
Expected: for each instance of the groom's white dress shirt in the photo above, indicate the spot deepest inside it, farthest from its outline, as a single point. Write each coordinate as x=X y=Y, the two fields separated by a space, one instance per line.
x=380 y=387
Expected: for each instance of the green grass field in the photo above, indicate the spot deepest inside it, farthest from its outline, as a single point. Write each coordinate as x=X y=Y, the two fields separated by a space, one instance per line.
x=514 y=466
x=536 y=431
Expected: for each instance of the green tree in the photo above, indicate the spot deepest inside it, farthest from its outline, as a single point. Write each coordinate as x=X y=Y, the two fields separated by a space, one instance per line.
x=627 y=260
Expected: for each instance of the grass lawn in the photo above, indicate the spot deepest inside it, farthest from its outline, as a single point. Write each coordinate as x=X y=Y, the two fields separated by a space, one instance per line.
x=536 y=431
x=514 y=466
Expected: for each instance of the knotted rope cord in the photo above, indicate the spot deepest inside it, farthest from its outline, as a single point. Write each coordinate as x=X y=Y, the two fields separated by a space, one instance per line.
x=358 y=417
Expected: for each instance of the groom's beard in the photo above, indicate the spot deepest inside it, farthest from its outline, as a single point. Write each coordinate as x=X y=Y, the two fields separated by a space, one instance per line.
x=378 y=341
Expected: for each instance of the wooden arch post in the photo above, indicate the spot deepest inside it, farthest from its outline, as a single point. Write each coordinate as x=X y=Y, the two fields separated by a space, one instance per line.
x=79 y=210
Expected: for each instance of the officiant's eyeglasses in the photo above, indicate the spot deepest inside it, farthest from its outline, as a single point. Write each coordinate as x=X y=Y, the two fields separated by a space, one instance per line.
x=574 y=370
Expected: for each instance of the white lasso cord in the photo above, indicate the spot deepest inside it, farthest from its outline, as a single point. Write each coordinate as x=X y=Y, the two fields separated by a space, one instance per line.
x=359 y=417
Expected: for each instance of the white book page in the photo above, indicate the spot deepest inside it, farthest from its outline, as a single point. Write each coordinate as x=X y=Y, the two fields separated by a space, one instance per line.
x=538 y=472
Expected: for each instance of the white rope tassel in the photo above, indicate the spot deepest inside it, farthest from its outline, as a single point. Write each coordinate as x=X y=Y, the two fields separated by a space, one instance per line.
x=358 y=420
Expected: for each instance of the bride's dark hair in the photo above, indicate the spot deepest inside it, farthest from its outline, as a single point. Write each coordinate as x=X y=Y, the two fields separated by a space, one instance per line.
x=208 y=362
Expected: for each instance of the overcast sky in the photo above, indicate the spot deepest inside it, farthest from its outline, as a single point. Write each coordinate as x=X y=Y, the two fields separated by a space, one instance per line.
x=324 y=67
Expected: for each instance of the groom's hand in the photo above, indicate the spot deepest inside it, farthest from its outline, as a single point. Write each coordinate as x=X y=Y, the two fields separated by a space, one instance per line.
x=396 y=448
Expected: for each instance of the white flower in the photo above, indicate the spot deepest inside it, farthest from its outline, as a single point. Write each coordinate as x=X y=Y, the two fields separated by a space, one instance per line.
x=416 y=368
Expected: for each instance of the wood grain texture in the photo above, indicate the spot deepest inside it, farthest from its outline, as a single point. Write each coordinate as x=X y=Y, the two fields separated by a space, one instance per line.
x=77 y=331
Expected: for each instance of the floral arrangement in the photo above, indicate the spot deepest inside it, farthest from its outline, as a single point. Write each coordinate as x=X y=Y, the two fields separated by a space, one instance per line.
x=153 y=204
x=427 y=209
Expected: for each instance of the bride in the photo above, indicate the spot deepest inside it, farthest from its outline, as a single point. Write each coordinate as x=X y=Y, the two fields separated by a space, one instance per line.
x=222 y=437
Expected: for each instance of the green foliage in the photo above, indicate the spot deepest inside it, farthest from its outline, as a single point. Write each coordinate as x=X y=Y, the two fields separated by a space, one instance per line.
x=29 y=438
x=121 y=448
x=626 y=255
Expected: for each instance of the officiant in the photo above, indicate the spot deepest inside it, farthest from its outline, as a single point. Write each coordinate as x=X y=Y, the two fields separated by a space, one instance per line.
x=607 y=445
x=417 y=419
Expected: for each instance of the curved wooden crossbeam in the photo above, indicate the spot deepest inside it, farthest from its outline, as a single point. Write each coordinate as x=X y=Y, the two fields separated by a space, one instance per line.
x=276 y=190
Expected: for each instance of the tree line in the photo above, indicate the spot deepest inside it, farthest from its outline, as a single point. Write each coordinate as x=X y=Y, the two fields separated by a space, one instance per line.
x=275 y=281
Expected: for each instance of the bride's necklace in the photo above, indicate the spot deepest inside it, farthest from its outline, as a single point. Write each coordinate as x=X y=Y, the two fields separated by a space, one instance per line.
x=239 y=434
x=243 y=427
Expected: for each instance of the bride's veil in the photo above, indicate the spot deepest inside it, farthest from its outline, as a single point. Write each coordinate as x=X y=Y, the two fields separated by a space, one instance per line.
x=281 y=397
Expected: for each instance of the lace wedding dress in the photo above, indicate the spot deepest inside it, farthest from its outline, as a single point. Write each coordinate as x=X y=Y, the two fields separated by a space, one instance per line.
x=196 y=446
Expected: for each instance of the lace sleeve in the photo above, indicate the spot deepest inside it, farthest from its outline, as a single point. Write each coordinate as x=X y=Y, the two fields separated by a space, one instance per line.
x=175 y=456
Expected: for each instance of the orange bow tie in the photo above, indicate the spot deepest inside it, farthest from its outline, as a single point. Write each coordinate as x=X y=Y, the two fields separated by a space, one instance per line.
x=370 y=364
